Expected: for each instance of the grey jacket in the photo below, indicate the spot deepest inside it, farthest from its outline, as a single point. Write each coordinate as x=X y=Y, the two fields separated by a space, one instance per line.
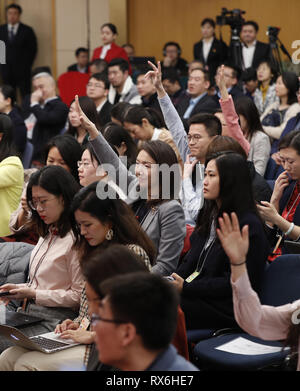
x=165 y=225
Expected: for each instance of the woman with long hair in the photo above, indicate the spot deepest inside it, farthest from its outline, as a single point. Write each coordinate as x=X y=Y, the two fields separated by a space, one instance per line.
x=54 y=283
x=265 y=94
x=203 y=277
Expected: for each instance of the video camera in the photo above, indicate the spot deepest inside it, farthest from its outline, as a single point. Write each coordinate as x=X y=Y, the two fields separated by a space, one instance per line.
x=273 y=32
x=232 y=18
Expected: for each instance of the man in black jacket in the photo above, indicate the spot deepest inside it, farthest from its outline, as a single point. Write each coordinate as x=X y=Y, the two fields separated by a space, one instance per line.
x=82 y=64
x=48 y=114
x=21 y=49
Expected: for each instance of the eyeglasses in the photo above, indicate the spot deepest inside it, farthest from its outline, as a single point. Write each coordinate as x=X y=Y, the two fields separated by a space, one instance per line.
x=84 y=164
x=43 y=203
x=96 y=318
x=195 y=137
x=96 y=85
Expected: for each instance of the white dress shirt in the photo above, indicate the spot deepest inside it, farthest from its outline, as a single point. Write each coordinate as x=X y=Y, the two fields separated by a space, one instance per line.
x=206 y=46
x=248 y=54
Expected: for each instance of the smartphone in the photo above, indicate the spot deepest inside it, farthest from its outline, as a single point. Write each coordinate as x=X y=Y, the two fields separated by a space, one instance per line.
x=7 y=293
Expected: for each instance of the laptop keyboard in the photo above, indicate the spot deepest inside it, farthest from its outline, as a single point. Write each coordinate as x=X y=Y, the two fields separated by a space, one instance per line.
x=48 y=344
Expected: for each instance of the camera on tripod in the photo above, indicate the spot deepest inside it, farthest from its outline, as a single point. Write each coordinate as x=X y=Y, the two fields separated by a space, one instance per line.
x=273 y=32
x=232 y=18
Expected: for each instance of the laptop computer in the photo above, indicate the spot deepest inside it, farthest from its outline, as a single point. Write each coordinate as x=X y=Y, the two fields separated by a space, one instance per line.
x=46 y=343
x=17 y=319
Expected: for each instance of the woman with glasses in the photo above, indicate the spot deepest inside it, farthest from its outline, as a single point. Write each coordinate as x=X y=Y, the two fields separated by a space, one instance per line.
x=54 y=280
x=98 y=222
x=153 y=193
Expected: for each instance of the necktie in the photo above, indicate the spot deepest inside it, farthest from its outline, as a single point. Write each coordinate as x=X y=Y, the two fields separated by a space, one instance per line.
x=189 y=109
x=11 y=33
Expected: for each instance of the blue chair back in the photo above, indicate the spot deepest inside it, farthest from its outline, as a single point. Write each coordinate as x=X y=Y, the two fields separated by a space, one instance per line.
x=281 y=283
x=27 y=155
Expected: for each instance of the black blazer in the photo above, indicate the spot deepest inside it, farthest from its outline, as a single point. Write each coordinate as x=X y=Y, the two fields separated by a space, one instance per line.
x=20 y=53
x=216 y=56
x=235 y=92
x=19 y=130
x=73 y=68
x=262 y=52
x=50 y=121
x=104 y=114
x=205 y=105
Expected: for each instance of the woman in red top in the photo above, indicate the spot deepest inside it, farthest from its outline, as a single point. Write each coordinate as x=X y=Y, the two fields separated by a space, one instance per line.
x=109 y=50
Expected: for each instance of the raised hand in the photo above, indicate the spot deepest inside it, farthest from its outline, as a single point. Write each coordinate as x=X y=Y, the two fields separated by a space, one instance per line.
x=88 y=125
x=155 y=76
x=189 y=166
x=220 y=81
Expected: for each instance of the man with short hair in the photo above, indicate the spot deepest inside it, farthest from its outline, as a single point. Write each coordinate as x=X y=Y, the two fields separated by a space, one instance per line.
x=249 y=78
x=253 y=51
x=231 y=80
x=48 y=114
x=171 y=83
x=173 y=60
x=98 y=66
x=97 y=89
x=136 y=322
x=82 y=57
x=21 y=49
x=122 y=88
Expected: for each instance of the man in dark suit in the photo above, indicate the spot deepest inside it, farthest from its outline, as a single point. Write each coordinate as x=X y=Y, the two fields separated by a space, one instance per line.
x=210 y=51
x=21 y=49
x=253 y=51
x=231 y=81
x=173 y=60
x=198 y=100
x=97 y=89
x=82 y=64
x=48 y=114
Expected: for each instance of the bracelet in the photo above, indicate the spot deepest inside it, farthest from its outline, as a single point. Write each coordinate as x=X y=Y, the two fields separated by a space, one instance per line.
x=290 y=229
x=237 y=264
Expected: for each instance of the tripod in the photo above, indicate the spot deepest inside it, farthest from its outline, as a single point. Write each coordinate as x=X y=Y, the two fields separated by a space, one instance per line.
x=236 y=50
x=276 y=60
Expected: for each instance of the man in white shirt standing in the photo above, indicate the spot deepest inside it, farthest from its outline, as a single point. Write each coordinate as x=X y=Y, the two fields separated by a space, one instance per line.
x=97 y=89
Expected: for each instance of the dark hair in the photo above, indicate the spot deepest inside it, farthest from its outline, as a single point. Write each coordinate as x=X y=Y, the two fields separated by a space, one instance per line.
x=209 y=21
x=16 y=6
x=89 y=108
x=111 y=210
x=234 y=70
x=119 y=110
x=225 y=143
x=245 y=106
x=172 y=43
x=69 y=149
x=100 y=64
x=249 y=74
x=59 y=182
x=171 y=75
x=236 y=193
x=129 y=45
x=116 y=259
x=116 y=135
x=274 y=72
x=81 y=50
x=291 y=82
x=121 y=63
x=205 y=73
x=291 y=140
x=251 y=23
x=136 y=113
x=101 y=76
x=7 y=146
x=94 y=157
x=111 y=26
x=211 y=123
x=8 y=93
x=163 y=154
x=147 y=301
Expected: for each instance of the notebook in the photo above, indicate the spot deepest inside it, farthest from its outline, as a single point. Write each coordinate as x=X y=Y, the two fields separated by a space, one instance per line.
x=46 y=343
x=17 y=319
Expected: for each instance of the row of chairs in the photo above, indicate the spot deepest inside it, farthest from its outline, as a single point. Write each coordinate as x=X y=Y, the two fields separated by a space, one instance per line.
x=280 y=286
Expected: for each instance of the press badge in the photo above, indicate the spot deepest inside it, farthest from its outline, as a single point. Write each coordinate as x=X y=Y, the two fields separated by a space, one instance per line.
x=192 y=277
x=84 y=323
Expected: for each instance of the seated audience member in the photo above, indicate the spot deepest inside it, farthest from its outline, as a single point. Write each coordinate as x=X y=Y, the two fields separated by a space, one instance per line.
x=173 y=60
x=276 y=115
x=48 y=114
x=195 y=64
x=209 y=50
x=262 y=321
x=74 y=126
x=117 y=136
x=129 y=49
x=146 y=125
x=156 y=206
x=89 y=170
x=97 y=89
x=82 y=61
x=283 y=211
x=250 y=82
x=61 y=150
x=8 y=106
x=122 y=88
x=147 y=92
x=203 y=277
x=253 y=51
x=11 y=174
x=98 y=66
x=198 y=100
x=54 y=280
x=146 y=308
x=118 y=112
x=231 y=80
x=265 y=94
x=171 y=83
x=109 y=50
